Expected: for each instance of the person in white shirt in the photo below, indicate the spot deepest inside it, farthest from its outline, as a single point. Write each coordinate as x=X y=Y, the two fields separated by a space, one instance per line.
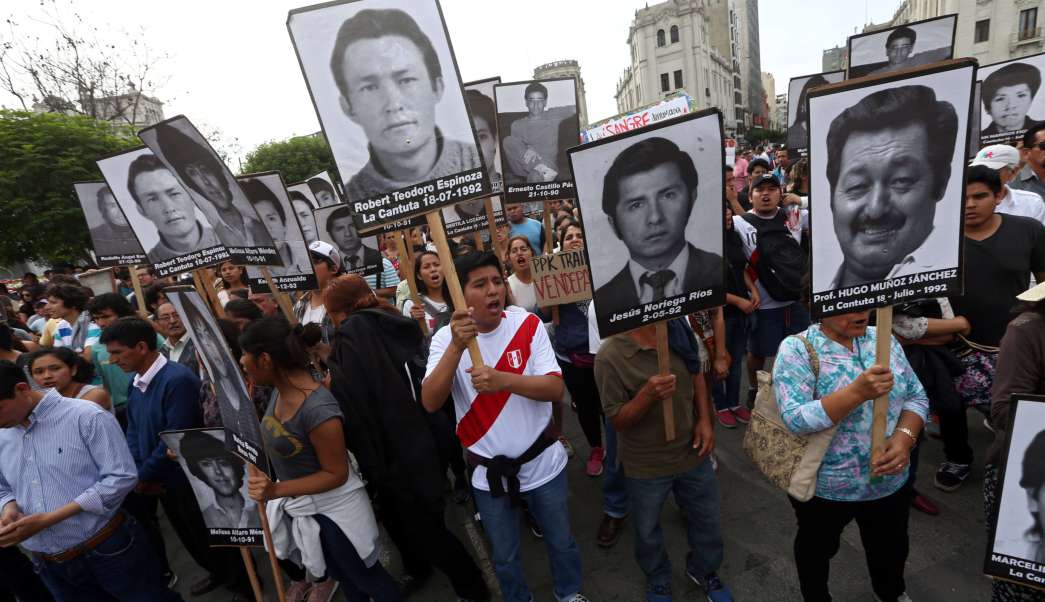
x=1005 y=160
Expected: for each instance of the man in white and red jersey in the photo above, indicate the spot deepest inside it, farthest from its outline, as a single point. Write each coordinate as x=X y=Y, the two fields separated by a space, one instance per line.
x=504 y=411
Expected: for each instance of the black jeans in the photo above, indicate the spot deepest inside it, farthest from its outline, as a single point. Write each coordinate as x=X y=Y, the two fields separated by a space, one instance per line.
x=954 y=430
x=359 y=583
x=883 y=532
x=19 y=579
x=581 y=384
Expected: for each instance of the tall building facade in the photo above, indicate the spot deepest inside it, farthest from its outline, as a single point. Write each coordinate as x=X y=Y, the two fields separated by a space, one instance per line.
x=750 y=63
x=567 y=68
x=679 y=45
x=769 y=100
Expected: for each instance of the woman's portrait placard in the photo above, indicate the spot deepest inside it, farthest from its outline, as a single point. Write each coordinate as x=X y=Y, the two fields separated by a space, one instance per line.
x=902 y=47
x=1009 y=99
x=323 y=189
x=386 y=87
x=173 y=231
x=887 y=168
x=470 y=216
x=798 y=110
x=652 y=205
x=113 y=239
x=1016 y=549
x=238 y=415
x=359 y=254
x=536 y=122
x=268 y=196
x=181 y=147
x=219 y=482
x=479 y=97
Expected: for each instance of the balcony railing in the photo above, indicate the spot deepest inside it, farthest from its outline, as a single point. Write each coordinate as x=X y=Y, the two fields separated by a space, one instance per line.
x=1026 y=36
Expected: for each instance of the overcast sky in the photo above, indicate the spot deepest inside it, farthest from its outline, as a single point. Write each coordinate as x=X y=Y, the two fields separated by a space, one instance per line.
x=233 y=67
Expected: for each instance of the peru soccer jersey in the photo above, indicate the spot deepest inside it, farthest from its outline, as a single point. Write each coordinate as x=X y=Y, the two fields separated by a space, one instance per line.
x=503 y=423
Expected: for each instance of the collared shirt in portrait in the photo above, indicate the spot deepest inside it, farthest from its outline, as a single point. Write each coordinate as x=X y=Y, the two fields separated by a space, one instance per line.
x=673 y=286
x=453 y=157
x=162 y=250
x=215 y=517
x=926 y=258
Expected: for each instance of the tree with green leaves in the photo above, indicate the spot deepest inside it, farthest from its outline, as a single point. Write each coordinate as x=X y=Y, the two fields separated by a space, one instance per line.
x=41 y=156
x=296 y=158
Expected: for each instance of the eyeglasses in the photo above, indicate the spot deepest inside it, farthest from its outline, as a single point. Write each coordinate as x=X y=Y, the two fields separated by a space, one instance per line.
x=166 y=318
x=1040 y=146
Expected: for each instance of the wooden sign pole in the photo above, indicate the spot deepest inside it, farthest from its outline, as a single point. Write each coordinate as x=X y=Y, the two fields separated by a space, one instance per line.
x=207 y=292
x=491 y=225
x=406 y=261
x=548 y=251
x=664 y=369
x=883 y=344
x=478 y=238
x=139 y=296
x=273 y=561
x=281 y=298
x=252 y=574
x=435 y=228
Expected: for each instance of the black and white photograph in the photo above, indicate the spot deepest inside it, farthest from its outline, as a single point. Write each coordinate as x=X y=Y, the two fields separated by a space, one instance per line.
x=173 y=231
x=181 y=147
x=112 y=238
x=385 y=84
x=652 y=204
x=470 y=216
x=238 y=415
x=536 y=122
x=887 y=166
x=1016 y=549
x=267 y=193
x=479 y=97
x=323 y=189
x=219 y=483
x=798 y=110
x=902 y=47
x=359 y=254
x=1009 y=100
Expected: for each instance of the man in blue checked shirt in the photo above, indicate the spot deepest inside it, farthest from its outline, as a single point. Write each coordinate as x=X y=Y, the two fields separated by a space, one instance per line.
x=65 y=469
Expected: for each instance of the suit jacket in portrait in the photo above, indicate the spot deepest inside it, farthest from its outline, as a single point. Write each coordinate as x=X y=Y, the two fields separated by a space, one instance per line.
x=703 y=271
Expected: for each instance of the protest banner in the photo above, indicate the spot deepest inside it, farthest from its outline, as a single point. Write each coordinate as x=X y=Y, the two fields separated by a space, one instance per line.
x=1009 y=102
x=561 y=278
x=112 y=238
x=902 y=47
x=675 y=105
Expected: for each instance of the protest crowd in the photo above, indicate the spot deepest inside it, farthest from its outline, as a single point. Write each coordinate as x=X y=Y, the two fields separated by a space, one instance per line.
x=421 y=371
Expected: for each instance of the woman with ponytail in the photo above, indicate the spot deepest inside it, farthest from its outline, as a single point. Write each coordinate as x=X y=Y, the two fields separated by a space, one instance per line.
x=315 y=491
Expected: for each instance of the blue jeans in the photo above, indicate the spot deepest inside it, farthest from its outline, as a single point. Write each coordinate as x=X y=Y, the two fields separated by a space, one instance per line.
x=501 y=523
x=726 y=393
x=696 y=493
x=124 y=567
x=614 y=485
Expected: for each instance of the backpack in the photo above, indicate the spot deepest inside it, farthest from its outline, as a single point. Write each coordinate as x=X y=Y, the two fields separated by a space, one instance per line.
x=780 y=262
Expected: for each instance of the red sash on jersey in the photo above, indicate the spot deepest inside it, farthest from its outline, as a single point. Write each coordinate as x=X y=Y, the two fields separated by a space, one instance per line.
x=486 y=407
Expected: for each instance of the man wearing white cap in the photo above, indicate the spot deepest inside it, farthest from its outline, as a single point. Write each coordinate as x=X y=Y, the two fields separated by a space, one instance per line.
x=1005 y=160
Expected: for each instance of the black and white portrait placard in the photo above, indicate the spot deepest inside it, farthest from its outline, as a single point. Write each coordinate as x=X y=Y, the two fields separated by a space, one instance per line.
x=238 y=416
x=359 y=254
x=652 y=205
x=536 y=122
x=181 y=147
x=323 y=189
x=470 y=216
x=479 y=96
x=303 y=203
x=1016 y=548
x=887 y=166
x=798 y=110
x=1009 y=99
x=173 y=231
x=902 y=47
x=268 y=195
x=219 y=482
x=385 y=84
x=113 y=239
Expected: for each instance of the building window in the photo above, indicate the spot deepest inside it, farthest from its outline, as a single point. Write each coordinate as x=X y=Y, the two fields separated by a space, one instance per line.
x=678 y=79
x=983 y=31
x=665 y=85
x=674 y=33
x=660 y=37
x=1028 y=23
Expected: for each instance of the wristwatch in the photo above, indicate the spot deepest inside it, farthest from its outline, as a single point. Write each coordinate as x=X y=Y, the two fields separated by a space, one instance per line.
x=909 y=433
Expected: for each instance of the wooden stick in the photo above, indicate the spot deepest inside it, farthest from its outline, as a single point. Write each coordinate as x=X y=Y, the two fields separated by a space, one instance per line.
x=548 y=251
x=491 y=225
x=281 y=298
x=207 y=291
x=406 y=261
x=435 y=228
x=664 y=369
x=883 y=344
x=252 y=574
x=277 y=576
x=139 y=296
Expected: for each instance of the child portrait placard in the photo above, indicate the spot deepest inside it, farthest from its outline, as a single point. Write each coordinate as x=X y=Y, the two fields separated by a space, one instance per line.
x=902 y=47
x=1016 y=548
x=887 y=194
x=359 y=254
x=536 y=122
x=113 y=239
x=238 y=415
x=173 y=231
x=219 y=482
x=268 y=195
x=1009 y=99
x=323 y=189
x=798 y=109
x=479 y=97
x=212 y=186
x=385 y=84
x=652 y=205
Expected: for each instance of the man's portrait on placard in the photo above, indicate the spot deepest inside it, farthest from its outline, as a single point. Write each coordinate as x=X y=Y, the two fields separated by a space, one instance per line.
x=797 y=111
x=111 y=233
x=653 y=201
x=536 y=123
x=886 y=181
x=902 y=47
x=269 y=199
x=1009 y=99
x=480 y=98
x=359 y=254
x=1020 y=530
x=386 y=88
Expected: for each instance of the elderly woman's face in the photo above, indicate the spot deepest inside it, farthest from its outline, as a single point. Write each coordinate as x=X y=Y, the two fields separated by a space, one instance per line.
x=847 y=326
x=1009 y=106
